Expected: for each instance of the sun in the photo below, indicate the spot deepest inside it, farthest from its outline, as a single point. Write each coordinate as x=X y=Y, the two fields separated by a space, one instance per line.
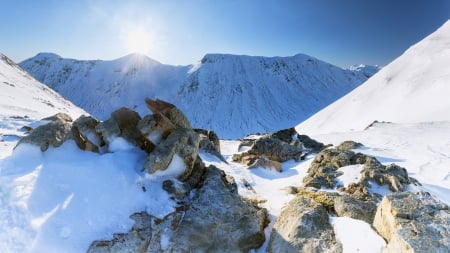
x=138 y=41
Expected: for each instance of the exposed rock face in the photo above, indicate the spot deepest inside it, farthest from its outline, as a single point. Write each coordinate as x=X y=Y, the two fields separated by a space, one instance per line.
x=156 y=127
x=85 y=135
x=349 y=145
x=303 y=227
x=413 y=222
x=54 y=133
x=209 y=142
x=265 y=163
x=219 y=220
x=323 y=171
x=357 y=209
x=182 y=142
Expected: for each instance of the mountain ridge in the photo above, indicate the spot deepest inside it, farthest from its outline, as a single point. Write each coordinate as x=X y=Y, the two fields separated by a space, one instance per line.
x=223 y=92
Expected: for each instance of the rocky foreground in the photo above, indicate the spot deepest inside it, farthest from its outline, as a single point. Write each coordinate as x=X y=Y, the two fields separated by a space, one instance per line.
x=212 y=217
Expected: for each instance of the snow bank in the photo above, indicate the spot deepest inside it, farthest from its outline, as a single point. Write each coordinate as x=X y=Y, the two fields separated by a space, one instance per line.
x=63 y=199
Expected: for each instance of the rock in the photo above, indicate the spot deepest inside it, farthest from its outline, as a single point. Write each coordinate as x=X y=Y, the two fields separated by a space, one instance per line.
x=182 y=142
x=219 y=220
x=123 y=123
x=168 y=110
x=349 y=145
x=303 y=227
x=54 y=133
x=85 y=135
x=348 y=206
x=311 y=145
x=273 y=149
x=413 y=222
x=265 y=163
x=137 y=240
x=209 y=142
x=155 y=127
x=287 y=135
x=63 y=117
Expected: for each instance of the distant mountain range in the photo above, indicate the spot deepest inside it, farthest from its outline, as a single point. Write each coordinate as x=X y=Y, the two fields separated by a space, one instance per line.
x=413 y=88
x=232 y=94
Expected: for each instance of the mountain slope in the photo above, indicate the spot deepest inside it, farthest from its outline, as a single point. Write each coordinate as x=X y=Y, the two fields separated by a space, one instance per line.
x=22 y=95
x=233 y=95
x=413 y=88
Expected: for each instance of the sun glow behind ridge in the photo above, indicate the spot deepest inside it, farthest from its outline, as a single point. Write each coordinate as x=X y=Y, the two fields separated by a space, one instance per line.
x=138 y=41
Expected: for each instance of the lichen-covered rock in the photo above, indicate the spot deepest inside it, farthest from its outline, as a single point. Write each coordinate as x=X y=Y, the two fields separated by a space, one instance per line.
x=303 y=226
x=219 y=220
x=54 y=133
x=123 y=123
x=349 y=145
x=64 y=117
x=136 y=240
x=168 y=110
x=85 y=135
x=183 y=142
x=323 y=171
x=357 y=209
x=413 y=223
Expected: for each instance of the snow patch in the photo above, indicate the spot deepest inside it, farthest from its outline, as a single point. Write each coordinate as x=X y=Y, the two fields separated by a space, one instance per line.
x=175 y=169
x=352 y=174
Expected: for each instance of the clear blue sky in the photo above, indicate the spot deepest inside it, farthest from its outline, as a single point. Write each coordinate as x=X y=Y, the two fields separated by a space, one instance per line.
x=342 y=32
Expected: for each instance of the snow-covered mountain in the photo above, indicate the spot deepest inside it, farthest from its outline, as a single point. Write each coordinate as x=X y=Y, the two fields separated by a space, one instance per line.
x=21 y=95
x=413 y=88
x=233 y=95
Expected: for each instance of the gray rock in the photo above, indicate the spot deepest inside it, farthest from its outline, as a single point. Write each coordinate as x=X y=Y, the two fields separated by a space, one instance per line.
x=349 y=145
x=85 y=135
x=303 y=227
x=209 y=142
x=219 y=220
x=265 y=163
x=64 y=117
x=155 y=127
x=137 y=240
x=311 y=145
x=183 y=142
x=357 y=209
x=123 y=123
x=54 y=133
x=413 y=223
x=170 y=111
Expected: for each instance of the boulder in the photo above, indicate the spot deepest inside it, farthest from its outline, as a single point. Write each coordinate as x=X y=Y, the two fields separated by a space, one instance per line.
x=349 y=145
x=311 y=145
x=85 y=135
x=348 y=206
x=169 y=110
x=219 y=219
x=182 y=142
x=54 y=133
x=303 y=227
x=265 y=163
x=209 y=142
x=123 y=123
x=137 y=240
x=155 y=127
x=413 y=222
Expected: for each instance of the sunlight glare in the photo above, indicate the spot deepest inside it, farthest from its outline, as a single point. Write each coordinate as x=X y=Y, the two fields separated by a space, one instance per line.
x=138 y=41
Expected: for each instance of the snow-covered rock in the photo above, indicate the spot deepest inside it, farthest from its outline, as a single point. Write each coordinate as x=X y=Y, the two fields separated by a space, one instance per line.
x=233 y=95
x=413 y=88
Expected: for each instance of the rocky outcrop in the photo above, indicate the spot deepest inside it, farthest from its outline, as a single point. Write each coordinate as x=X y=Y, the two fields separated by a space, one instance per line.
x=347 y=206
x=265 y=163
x=85 y=135
x=168 y=110
x=219 y=220
x=412 y=223
x=123 y=123
x=303 y=227
x=210 y=143
x=324 y=170
x=54 y=133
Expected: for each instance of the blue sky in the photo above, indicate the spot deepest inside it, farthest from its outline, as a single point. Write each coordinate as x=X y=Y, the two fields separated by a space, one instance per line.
x=342 y=32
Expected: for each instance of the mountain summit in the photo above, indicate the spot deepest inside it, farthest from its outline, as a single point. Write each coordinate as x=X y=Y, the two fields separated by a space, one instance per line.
x=234 y=95
x=413 y=88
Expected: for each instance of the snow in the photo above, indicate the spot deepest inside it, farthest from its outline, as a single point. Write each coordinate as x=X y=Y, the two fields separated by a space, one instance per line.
x=352 y=174
x=65 y=198
x=356 y=236
x=175 y=169
x=413 y=88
